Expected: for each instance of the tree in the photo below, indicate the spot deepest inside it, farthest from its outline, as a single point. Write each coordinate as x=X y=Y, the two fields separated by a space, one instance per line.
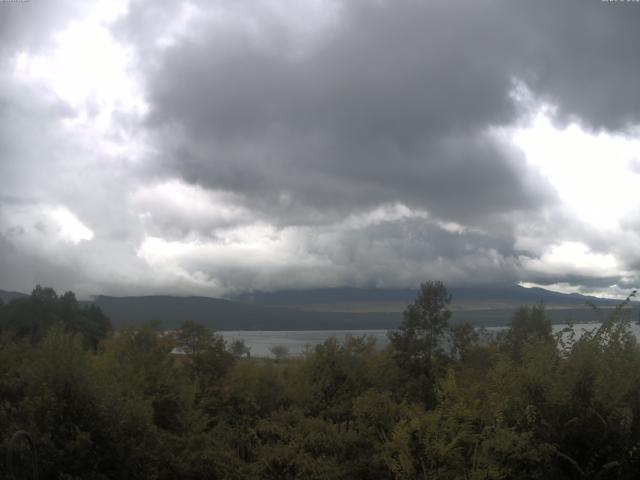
x=209 y=359
x=417 y=342
x=239 y=349
x=333 y=373
x=528 y=324
x=425 y=321
x=463 y=338
x=194 y=338
x=280 y=352
x=33 y=316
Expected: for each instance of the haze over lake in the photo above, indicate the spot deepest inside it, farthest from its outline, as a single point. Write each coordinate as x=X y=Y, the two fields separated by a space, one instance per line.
x=297 y=341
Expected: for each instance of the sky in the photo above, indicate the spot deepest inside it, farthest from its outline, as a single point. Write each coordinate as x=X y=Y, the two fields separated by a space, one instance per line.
x=213 y=147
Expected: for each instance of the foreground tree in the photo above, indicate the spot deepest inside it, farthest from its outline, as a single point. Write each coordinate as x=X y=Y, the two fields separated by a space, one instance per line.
x=418 y=340
x=463 y=338
x=528 y=324
x=207 y=357
x=564 y=407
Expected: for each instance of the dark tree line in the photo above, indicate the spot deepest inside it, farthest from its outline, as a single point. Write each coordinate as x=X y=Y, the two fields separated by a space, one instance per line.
x=30 y=318
x=439 y=402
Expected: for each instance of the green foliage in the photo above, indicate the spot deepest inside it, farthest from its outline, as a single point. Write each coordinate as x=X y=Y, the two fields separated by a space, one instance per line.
x=206 y=353
x=463 y=337
x=239 y=349
x=333 y=373
x=252 y=392
x=280 y=352
x=417 y=342
x=144 y=404
x=527 y=324
x=32 y=317
x=417 y=339
x=80 y=429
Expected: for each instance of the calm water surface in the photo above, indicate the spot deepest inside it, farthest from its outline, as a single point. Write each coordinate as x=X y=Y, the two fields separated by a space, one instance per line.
x=260 y=342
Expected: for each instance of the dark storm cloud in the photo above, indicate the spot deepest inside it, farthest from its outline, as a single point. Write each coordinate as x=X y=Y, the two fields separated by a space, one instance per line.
x=277 y=131
x=388 y=253
x=392 y=102
x=22 y=269
x=380 y=95
x=583 y=56
x=393 y=105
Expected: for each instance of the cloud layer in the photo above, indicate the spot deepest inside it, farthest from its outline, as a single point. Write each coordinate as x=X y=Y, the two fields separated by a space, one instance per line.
x=213 y=146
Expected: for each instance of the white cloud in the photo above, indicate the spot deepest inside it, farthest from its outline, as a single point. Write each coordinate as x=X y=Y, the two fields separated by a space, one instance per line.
x=99 y=197
x=86 y=68
x=175 y=206
x=592 y=172
x=69 y=227
x=42 y=227
x=573 y=258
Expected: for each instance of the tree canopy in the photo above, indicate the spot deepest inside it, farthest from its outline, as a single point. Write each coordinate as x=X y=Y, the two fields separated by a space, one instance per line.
x=144 y=404
x=31 y=317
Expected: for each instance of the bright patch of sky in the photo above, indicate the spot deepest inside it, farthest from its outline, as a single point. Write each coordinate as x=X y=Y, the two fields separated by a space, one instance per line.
x=591 y=171
x=44 y=225
x=93 y=75
x=70 y=228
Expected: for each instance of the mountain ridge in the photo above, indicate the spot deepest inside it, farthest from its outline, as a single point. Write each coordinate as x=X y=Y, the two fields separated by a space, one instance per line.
x=6 y=295
x=332 y=309
x=514 y=294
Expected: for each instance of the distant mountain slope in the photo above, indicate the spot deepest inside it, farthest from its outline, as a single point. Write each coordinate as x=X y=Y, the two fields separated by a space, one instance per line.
x=320 y=309
x=6 y=296
x=228 y=315
x=334 y=309
x=479 y=297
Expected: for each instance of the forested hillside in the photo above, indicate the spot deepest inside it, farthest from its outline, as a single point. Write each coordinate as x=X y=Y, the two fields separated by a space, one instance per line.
x=462 y=296
x=334 y=309
x=340 y=309
x=119 y=405
x=220 y=314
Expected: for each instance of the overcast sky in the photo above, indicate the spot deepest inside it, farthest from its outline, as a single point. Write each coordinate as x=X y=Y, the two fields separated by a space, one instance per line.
x=210 y=147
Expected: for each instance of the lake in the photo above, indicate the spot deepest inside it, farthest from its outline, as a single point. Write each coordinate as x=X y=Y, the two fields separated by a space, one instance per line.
x=296 y=341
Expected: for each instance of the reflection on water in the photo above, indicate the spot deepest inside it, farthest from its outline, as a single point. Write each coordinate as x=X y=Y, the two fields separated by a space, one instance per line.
x=260 y=342
x=296 y=341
